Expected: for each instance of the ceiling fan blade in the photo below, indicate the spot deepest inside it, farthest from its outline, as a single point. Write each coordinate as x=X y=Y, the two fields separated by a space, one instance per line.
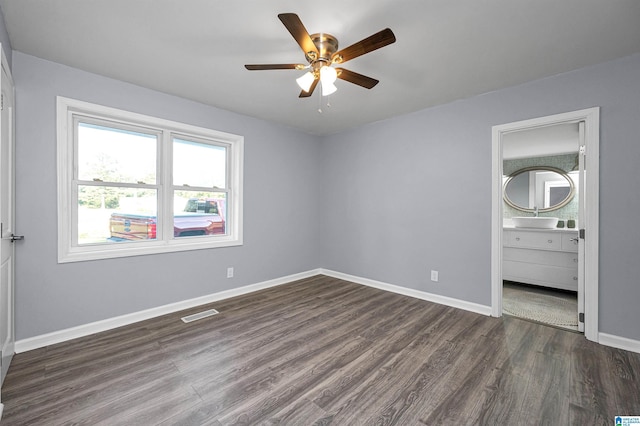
x=304 y=94
x=259 y=67
x=355 y=78
x=369 y=44
x=298 y=31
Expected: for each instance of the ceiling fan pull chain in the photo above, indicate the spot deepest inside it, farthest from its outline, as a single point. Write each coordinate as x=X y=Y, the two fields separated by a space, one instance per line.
x=320 y=101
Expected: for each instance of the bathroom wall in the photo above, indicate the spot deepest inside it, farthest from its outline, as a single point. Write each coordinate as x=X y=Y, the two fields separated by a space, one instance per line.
x=566 y=162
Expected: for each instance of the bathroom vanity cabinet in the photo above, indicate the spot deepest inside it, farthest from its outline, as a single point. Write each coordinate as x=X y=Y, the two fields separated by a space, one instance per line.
x=545 y=257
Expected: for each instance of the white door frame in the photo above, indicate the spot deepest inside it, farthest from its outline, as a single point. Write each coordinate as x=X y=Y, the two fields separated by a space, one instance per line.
x=8 y=346
x=591 y=118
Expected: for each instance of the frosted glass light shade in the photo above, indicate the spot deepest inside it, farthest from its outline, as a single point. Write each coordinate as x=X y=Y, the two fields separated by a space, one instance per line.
x=305 y=81
x=328 y=75
x=328 y=88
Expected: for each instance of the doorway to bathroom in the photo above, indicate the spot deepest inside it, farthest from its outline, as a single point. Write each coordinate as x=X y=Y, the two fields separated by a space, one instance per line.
x=545 y=225
x=546 y=305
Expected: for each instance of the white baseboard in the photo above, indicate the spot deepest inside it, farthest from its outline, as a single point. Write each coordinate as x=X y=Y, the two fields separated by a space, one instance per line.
x=111 y=323
x=430 y=297
x=619 y=342
x=603 y=338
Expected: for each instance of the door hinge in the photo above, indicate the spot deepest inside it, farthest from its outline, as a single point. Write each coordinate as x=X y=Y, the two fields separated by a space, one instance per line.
x=2 y=102
x=581 y=317
x=581 y=234
x=583 y=149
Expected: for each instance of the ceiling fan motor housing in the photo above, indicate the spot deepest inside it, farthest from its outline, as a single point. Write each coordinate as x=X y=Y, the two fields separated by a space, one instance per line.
x=327 y=45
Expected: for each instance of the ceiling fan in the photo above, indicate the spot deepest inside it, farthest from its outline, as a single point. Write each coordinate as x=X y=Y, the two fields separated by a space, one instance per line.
x=321 y=52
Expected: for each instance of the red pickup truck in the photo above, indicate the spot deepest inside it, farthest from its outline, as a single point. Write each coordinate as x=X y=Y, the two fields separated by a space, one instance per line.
x=200 y=217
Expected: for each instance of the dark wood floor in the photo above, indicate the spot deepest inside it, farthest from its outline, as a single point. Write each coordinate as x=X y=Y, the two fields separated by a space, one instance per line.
x=325 y=351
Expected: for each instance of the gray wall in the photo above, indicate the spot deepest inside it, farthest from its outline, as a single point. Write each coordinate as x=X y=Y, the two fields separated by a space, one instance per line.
x=387 y=201
x=281 y=212
x=413 y=193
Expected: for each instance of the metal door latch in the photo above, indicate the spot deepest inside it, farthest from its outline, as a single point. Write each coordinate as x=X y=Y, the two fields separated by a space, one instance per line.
x=15 y=238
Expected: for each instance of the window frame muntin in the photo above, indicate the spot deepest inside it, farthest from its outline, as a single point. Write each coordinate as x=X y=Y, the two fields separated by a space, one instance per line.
x=67 y=109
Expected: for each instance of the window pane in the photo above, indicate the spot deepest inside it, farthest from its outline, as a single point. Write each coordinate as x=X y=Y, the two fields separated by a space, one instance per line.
x=199 y=164
x=115 y=155
x=112 y=214
x=199 y=213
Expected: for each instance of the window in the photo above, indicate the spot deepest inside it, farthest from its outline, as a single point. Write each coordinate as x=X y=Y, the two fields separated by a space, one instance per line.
x=130 y=184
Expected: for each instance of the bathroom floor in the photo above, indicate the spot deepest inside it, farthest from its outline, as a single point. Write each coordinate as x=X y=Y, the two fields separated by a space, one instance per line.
x=557 y=308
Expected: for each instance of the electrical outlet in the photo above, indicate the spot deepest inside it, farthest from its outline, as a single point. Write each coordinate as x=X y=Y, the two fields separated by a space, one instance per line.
x=229 y=272
x=434 y=276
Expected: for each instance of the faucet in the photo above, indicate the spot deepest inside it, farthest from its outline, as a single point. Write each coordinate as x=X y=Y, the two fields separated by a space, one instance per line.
x=535 y=211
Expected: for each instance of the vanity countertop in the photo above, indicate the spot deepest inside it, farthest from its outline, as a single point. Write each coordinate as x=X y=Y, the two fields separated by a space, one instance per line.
x=567 y=230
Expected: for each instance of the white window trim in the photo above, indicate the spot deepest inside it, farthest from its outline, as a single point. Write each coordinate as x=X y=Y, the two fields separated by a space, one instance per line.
x=67 y=252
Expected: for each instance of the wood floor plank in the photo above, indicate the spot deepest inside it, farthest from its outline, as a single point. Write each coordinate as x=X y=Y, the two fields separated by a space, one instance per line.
x=150 y=405
x=280 y=342
x=505 y=399
x=467 y=385
x=379 y=364
x=626 y=367
x=407 y=377
x=547 y=392
x=86 y=392
x=293 y=378
x=202 y=414
x=300 y=412
x=324 y=351
x=407 y=390
x=593 y=390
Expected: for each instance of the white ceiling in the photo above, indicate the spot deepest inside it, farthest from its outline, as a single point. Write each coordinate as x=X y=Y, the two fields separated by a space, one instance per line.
x=445 y=50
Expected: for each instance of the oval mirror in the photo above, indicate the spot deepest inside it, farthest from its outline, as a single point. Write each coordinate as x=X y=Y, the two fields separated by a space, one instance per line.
x=547 y=188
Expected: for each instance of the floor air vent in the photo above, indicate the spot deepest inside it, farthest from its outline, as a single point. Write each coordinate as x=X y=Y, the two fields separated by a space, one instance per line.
x=199 y=315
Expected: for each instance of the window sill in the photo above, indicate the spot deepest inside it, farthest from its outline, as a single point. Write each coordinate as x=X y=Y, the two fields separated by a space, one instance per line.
x=117 y=250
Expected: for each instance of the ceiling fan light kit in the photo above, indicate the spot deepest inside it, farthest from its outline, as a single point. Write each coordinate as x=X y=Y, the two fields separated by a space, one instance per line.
x=321 y=52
